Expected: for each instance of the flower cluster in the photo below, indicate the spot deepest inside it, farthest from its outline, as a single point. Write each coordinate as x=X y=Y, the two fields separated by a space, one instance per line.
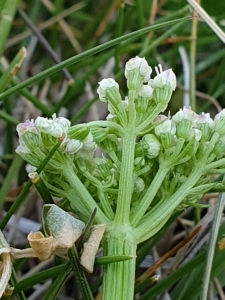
x=166 y=152
x=38 y=137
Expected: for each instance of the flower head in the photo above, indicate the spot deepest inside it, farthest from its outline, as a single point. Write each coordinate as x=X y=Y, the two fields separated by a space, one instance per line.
x=220 y=122
x=163 y=78
x=137 y=72
x=55 y=127
x=28 y=126
x=104 y=86
x=163 y=84
x=206 y=125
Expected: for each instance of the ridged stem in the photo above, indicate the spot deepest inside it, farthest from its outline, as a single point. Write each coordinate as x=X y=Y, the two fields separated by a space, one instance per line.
x=118 y=279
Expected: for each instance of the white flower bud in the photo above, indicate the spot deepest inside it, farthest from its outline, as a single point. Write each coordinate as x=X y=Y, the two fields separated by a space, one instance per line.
x=146 y=91
x=164 y=78
x=137 y=72
x=57 y=130
x=30 y=169
x=28 y=126
x=153 y=145
x=205 y=118
x=104 y=85
x=139 y=185
x=44 y=125
x=63 y=122
x=220 y=122
x=22 y=150
x=88 y=143
x=197 y=134
x=72 y=146
x=185 y=113
x=139 y=64
x=166 y=126
x=206 y=125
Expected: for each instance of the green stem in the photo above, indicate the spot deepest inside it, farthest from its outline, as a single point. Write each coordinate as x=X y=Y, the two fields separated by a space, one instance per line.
x=107 y=124
x=126 y=178
x=105 y=205
x=149 y=195
x=156 y=218
x=214 y=165
x=118 y=279
x=84 y=195
x=158 y=109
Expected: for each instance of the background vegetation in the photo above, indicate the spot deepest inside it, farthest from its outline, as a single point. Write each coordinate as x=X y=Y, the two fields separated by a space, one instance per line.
x=82 y=34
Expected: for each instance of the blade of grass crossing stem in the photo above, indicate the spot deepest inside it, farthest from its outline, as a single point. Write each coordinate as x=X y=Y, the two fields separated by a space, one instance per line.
x=211 y=246
x=86 y=54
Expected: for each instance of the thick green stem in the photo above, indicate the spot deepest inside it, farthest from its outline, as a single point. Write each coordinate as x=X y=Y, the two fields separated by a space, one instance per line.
x=126 y=179
x=118 y=279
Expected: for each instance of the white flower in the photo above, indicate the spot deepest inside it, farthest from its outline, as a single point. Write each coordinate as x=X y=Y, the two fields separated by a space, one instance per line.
x=30 y=169
x=166 y=126
x=197 y=134
x=205 y=118
x=56 y=127
x=72 y=146
x=185 y=113
x=28 y=126
x=88 y=143
x=22 y=150
x=152 y=145
x=43 y=124
x=65 y=123
x=164 y=78
x=139 y=185
x=141 y=65
x=220 y=122
x=220 y=115
x=105 y=84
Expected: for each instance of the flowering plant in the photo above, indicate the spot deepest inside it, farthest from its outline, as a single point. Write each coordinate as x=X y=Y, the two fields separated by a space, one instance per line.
x=150 y=164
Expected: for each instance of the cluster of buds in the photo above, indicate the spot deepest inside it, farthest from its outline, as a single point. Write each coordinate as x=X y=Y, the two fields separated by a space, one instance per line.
x=172 y=148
